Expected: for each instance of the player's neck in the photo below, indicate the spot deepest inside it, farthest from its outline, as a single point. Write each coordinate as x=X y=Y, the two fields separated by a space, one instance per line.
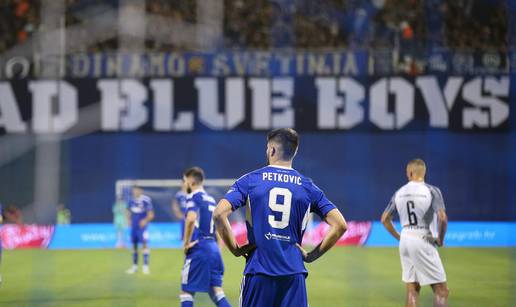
x=287 y=164
x=417 y=179
x=197 y=188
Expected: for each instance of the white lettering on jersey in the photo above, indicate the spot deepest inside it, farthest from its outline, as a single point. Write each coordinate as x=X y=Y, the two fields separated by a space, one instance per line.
x=269 y=176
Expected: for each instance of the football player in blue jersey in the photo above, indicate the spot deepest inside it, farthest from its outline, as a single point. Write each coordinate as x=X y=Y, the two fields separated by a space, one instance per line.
x=179 y=206
x=279 y=199
x=203 y=267
x=140 y=213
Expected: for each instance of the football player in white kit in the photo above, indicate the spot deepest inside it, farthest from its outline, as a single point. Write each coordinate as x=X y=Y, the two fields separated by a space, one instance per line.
x=420 y=207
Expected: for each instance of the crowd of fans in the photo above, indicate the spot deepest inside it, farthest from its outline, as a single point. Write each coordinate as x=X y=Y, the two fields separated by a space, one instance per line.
x=265 y=24
x=476 y=25
x=248 y=23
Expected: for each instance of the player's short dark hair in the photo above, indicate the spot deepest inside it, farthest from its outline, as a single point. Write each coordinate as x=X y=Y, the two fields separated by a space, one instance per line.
x=287 y=138
x=196 y=173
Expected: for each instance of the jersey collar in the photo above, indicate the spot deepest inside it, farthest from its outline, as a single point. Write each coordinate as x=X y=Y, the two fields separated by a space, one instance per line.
x=196 y=191
x=279 y=166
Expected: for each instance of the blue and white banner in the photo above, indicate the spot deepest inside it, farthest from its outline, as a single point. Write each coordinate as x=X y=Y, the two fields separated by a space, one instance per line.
x=459 y=234
x=259 y=63
x=467 y=62
x=168 y=235
x=210 y=64
x=85 y=236
x=239 y=103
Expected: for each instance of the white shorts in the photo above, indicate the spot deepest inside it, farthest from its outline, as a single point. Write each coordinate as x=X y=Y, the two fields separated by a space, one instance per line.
x=420 y=261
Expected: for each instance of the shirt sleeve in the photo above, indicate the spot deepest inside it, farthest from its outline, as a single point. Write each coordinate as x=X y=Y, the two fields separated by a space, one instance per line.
x=237 y=194
x=320 y=205
x=391 y=207
x=437 y=199
x=150 y=207
x=191 y=205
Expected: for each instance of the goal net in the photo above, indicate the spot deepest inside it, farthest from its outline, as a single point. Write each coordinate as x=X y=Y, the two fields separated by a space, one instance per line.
x=163 y=191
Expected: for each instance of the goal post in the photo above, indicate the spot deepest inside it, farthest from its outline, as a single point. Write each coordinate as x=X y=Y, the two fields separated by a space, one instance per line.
x=122 y=184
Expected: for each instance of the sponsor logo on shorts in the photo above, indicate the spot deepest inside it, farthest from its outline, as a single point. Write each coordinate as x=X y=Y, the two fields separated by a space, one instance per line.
x=273 y=236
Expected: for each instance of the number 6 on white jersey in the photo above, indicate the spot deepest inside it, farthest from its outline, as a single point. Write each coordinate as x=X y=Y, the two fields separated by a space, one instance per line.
x=283 y=208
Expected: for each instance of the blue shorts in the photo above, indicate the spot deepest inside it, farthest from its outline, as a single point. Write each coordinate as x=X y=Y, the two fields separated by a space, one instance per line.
x=139 y=235
x=203 y=268
x=275 y=291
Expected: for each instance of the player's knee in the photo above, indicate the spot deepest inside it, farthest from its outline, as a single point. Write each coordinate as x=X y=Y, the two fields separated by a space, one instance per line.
x=442 y=292
x=414 y=289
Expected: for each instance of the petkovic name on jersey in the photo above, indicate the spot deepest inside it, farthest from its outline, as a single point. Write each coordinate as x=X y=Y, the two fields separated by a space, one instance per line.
x=270 y=176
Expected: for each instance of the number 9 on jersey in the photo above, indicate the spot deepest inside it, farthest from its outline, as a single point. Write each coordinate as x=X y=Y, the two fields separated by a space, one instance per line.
x=283 y=208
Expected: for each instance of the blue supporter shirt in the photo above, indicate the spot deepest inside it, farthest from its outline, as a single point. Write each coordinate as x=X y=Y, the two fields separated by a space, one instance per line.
x=203 y=204
x=139 y=207
x=279 y=200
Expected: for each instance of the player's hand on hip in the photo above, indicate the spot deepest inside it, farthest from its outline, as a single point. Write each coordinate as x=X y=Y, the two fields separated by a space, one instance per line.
x=188 y=246
x=432 y=240
x=304 y=253
x=438 y=242
x=143 y=223
x=245 y=250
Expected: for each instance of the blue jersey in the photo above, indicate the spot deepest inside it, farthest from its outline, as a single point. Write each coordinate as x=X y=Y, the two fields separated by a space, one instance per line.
x=181 y=200
x=203 y=204
x=139 y=207
x=280 y=200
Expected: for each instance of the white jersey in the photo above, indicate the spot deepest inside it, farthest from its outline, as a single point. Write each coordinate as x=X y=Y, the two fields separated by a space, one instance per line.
x=417 y=204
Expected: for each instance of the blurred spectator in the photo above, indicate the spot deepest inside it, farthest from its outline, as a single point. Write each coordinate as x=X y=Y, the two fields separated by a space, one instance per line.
x=63 y=215
x=12 y=215
x=403 y=17
x=19 y=19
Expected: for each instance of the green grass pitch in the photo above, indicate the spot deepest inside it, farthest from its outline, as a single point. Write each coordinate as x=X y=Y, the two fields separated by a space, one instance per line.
x=346 y=276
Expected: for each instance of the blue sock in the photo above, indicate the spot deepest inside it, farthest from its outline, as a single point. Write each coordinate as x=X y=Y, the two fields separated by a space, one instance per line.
x=223 y=302
x=135 y=257
x=186 y=300
x=146 y=256
x=219 y=299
